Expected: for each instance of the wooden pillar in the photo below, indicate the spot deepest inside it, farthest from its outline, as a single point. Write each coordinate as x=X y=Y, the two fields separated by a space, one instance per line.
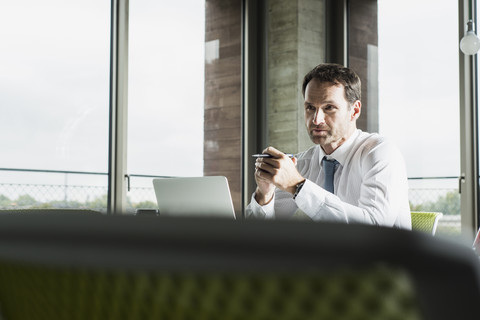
x=223 y=109
x=363 y=58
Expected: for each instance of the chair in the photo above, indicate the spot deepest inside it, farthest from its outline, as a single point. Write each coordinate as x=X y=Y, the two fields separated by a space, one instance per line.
x=147 y=267
x=425 y=221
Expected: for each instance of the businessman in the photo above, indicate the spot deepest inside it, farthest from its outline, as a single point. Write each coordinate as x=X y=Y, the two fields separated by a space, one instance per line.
x=348 y=176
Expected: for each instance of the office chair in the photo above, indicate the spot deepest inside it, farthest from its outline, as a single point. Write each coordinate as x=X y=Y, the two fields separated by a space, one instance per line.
x=147 y=267
x=425 y=221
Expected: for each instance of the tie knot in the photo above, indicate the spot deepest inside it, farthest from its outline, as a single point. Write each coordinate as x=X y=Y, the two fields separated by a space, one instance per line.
x=330 y=162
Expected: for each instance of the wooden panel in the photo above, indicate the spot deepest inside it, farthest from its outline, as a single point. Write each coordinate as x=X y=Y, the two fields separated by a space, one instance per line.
x=223 y=67
x=222 y=127
x=363 y=32
x=218 y=150
x=222 y=117
x=223 y=97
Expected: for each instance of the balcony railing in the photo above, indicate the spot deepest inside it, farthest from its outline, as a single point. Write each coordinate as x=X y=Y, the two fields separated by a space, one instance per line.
x=26 y=188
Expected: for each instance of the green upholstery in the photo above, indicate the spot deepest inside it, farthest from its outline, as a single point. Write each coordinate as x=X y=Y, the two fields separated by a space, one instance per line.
x=64 y=266
x=29 y=292
x=425 y=221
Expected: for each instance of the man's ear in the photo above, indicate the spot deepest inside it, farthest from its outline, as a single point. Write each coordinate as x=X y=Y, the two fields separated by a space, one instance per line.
x=356 y=110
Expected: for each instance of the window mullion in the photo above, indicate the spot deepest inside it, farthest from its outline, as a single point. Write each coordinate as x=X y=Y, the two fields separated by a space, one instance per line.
x=118 y=107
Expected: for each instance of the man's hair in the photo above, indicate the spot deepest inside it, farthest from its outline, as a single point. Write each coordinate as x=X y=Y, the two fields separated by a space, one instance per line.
x=336 y=74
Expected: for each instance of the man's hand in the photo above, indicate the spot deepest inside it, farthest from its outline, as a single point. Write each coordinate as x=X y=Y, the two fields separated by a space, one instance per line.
x=279 y=171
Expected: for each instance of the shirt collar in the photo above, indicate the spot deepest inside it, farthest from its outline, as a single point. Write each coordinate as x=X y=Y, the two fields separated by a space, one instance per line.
x=340 y=154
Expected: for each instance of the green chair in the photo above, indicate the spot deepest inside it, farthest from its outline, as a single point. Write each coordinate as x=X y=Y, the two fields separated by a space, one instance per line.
x=425 y=221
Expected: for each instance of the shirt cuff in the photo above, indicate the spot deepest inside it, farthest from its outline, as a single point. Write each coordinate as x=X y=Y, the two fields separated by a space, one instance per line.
x=308 y=191
x=319 y=204
x=267 y=211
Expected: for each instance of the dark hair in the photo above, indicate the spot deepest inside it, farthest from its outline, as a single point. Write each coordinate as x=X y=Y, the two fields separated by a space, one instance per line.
x=336 y=74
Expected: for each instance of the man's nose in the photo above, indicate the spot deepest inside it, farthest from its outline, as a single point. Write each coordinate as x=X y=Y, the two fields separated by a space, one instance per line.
x=318 y=117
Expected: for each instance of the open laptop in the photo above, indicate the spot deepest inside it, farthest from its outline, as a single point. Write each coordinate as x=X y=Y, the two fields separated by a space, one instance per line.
x=194 y=196
x=476 y=243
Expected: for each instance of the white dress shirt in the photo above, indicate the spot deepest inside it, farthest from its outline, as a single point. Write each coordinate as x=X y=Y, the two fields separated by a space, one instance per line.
x=370 y=186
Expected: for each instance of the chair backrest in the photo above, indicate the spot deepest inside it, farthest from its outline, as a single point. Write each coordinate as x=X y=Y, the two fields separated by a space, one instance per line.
x=425 y=221
x=147 y=267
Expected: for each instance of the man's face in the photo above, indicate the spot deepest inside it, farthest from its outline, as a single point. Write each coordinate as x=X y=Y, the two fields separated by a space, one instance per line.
x=329 y=117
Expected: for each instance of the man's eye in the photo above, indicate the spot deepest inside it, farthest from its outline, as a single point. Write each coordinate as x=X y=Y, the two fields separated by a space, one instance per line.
x=329 y=108
x=310 y=107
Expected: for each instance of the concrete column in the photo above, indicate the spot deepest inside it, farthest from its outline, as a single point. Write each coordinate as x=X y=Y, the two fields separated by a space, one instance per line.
x=296 y=44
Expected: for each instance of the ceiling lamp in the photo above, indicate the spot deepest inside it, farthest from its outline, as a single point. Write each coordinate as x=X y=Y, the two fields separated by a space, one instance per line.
x=470 y=43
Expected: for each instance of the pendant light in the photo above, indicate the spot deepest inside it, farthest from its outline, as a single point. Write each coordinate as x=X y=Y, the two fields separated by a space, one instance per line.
x=470 y=43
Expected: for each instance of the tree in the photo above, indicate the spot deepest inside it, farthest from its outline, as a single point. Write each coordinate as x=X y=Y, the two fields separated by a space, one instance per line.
x=97 y=203
x=4 y=201
x=449 y=204
x=145 y=205
x=26 y=200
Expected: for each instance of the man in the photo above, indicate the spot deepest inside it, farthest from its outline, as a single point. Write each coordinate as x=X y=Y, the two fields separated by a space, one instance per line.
x=348 y=176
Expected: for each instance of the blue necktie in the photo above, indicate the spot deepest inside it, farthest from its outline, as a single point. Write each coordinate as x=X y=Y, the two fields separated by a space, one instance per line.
x=329 y=166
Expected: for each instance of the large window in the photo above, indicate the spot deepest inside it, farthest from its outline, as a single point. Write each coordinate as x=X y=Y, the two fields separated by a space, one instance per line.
x=166 y=89
x=54 y=83
x=419 y=99
x=55 y=94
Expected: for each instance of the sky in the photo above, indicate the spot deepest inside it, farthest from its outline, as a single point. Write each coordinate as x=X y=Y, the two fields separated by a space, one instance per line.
x=418 y=84
x=54 y=85
x=166 y=87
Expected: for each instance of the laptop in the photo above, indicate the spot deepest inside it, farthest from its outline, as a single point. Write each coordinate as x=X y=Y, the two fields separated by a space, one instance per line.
x=194 y=196
x=476 y=243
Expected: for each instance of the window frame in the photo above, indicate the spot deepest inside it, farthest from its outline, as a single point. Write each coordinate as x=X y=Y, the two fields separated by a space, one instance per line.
x=468 y=184
x=117 y=157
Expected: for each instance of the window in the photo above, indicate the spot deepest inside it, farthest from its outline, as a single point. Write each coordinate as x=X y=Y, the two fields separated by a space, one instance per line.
x=54 y=97
x=419 y=100
x=166 y=94
x=55 y=89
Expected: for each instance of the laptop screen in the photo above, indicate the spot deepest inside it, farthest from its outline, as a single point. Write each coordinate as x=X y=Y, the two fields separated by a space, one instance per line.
x=194 y=196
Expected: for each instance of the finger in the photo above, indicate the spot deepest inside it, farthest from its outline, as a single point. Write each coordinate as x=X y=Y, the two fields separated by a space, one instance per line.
x=278 y=162
x=270 y=162
x=264 y=166
x=262 y=175
x=274 y=152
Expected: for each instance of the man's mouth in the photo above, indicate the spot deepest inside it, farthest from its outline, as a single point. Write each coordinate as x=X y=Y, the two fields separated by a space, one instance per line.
x=319 y=130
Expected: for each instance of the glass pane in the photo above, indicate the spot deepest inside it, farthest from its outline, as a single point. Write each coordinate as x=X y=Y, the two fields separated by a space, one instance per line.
x=419 y=100
x=54 y=84
x=166 y=93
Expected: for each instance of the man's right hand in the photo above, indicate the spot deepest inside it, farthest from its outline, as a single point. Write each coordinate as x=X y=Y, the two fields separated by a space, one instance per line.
x=267 y=174
x=264 y=192
x=265 y=188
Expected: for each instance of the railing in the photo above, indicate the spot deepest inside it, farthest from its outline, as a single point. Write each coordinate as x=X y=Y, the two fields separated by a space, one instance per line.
x=78 y=189
x=68 y=189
